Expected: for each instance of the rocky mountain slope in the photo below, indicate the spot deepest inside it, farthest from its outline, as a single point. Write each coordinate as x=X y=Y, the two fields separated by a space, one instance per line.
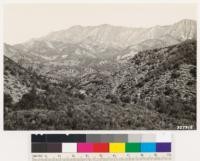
x=117 y=36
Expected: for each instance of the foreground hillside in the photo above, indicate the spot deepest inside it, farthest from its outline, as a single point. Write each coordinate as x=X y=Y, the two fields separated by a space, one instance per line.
x=164 y=79
x=155 y=89
x=19 y=81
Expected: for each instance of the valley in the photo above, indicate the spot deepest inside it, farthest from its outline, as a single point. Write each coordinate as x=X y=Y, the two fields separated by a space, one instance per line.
x=102 y=77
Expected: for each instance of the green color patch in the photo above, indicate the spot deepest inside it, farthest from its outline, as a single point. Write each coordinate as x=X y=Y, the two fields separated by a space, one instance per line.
x=133 y=147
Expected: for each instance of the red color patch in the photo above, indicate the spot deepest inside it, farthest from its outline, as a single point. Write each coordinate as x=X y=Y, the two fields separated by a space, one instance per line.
x=101 y=147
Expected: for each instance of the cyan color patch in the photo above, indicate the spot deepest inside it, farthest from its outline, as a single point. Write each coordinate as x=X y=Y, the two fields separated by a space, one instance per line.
x=148 y=147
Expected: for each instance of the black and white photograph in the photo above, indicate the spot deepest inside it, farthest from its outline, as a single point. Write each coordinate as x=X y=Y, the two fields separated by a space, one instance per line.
x=100 y=66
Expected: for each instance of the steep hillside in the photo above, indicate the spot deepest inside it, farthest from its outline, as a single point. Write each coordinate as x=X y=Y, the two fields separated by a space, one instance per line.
x=161 y=71
x=164 y=79
x=16 y=80
x=19 y=81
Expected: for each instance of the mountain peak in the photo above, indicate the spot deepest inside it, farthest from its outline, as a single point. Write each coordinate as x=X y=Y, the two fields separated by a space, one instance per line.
x=76 y=27
x=186 y=21
x=105 y=25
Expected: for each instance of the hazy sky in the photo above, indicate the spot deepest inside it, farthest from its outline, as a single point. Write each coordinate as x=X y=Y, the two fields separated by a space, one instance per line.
x=26 y=21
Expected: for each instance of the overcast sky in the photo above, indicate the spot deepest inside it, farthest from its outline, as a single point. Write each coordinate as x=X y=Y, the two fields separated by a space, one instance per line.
x=25 y=21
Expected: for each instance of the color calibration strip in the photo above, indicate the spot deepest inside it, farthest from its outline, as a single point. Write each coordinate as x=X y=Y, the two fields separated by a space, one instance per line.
x=102 y=143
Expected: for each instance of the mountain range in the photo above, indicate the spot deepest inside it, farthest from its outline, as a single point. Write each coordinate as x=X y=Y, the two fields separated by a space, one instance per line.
x=86 y=46
x=121 y=37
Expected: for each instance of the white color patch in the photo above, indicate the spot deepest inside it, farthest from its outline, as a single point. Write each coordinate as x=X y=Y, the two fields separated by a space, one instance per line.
x=164 y=137
x=69 y=147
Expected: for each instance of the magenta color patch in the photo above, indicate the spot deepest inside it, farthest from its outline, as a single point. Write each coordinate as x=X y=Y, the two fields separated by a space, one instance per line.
x=85 y=147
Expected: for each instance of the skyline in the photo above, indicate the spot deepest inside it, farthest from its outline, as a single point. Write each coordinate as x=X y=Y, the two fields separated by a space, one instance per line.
x=37 y=20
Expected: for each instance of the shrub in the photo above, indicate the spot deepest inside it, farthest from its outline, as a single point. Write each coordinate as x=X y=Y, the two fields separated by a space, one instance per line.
x=189 y=83
x=168 y=90
x=113 y=98
x=125 y=99
x=175 y=75
x=79 y=95
x=7 y=100
x=193 y=72
x=28 y=100
x=161 y=104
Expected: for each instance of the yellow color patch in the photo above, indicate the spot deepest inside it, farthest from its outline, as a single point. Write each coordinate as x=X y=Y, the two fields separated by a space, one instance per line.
x=116 y=147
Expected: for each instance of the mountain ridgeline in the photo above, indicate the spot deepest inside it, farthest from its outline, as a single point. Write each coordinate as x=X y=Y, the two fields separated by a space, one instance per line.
x=103 y=77
x=80 y=50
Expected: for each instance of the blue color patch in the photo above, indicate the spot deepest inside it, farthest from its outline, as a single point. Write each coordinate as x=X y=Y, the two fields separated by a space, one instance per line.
x=148 y=147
